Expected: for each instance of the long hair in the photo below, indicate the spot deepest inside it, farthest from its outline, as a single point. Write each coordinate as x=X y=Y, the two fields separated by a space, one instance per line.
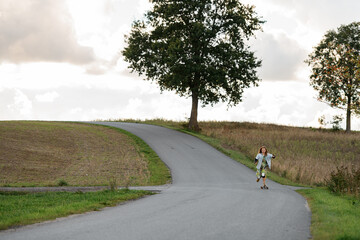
x=266 y=151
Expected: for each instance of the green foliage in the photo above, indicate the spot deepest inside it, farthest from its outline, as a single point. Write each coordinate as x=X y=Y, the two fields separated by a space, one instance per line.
x=62 y=182
x=113 y=184
x=196 y=48
x=321 y=121
x=345 y=180
x=336 y=122
x=335 y=65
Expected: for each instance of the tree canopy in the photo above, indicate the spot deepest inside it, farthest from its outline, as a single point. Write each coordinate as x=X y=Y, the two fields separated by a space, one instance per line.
x=335 y=64
x=197 y=49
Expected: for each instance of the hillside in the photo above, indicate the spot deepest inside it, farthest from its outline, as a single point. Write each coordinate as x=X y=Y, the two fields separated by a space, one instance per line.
x=53 y=153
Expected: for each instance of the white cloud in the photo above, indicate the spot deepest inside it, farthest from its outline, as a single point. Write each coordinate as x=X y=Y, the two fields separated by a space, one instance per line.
x=36 y=30
x=21 y=105
x=282 y=57
x=47 y=97
x=103 y=26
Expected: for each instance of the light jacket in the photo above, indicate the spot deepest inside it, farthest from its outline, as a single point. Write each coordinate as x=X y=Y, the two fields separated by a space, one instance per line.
x=260 y=157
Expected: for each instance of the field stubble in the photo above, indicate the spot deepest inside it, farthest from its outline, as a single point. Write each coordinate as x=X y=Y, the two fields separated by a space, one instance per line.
x=46 y=153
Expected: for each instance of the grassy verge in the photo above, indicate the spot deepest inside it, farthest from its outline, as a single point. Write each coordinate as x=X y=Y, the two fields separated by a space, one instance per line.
x=17 y=209
x=159 y=172
x=333 y=216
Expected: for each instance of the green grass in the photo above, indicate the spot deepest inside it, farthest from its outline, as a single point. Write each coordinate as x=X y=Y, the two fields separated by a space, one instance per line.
x=159 y=172
x=18 y=208
x=333 y=216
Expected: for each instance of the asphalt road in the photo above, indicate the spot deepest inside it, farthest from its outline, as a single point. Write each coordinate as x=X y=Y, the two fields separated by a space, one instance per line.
x=212 y=197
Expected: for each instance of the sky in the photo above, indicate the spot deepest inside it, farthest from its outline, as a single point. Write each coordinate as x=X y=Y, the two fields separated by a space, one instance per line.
x=61 y=60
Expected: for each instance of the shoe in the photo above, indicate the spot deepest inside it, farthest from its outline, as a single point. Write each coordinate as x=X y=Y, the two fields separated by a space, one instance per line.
x=262 y=187
x=257 y=180
x=266 y=187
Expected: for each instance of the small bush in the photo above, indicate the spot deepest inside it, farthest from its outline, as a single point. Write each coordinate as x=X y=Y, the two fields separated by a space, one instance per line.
x=336 y=122
x=344 y=181
x=62 y=183
x=113 y=184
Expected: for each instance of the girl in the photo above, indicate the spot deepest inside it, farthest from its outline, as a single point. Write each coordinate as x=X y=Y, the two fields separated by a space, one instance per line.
x=263 y=161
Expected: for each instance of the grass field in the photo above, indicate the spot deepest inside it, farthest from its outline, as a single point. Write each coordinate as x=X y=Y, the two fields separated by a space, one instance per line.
x=18 y=208
x=60 y=153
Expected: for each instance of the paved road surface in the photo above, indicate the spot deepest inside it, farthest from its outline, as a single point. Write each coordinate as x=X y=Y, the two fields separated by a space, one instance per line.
x=212 y=197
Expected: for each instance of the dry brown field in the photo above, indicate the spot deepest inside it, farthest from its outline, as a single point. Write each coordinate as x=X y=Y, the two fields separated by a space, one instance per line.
x=46 y=153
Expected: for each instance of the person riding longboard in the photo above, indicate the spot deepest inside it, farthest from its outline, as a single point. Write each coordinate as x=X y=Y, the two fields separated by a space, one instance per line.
x=263 y=162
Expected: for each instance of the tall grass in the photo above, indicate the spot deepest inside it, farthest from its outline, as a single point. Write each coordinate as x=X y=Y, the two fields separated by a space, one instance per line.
x=304 y=155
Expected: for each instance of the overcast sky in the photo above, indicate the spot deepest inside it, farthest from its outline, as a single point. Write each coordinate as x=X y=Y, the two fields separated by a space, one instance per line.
x=60 y=60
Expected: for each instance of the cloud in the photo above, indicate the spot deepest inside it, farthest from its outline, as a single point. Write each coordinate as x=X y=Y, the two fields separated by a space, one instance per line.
x=36 y=31
x=97 y=69
x=100 y=67
x=282 y=56
x=322 y=14
x=47 y=97
x=21 y=104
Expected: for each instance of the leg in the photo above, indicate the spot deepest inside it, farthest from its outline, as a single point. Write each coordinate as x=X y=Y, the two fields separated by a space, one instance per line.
x=264 y=179
x=257 y=175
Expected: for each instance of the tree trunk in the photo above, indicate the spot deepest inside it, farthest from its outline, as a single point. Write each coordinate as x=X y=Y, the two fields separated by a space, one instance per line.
x=193 y=123
x=348 y=116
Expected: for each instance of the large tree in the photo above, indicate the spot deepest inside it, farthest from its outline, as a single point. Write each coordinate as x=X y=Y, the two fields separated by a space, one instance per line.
x=197 y=48
x=335 y=64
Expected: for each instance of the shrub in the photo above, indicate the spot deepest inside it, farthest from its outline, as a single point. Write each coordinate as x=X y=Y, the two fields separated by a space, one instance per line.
x=113 y=184
x=336 y=122
x=344 y=181
x=62 y=182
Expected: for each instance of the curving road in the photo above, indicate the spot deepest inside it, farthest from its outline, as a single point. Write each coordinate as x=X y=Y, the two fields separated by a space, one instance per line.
x=212 y=197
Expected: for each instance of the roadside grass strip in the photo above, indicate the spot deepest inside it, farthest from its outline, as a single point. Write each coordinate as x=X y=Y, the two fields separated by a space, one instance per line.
x=159 y=172
x=23 y=208
x=333 y=216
